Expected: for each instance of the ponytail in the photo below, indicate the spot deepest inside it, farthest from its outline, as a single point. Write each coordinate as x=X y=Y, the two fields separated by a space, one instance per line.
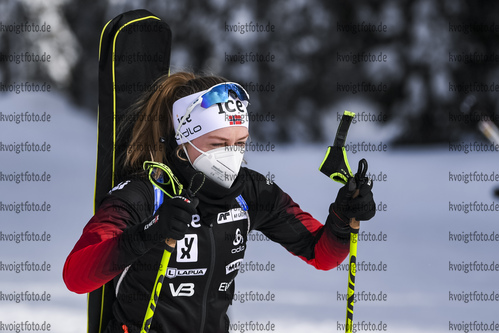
x=148 y=132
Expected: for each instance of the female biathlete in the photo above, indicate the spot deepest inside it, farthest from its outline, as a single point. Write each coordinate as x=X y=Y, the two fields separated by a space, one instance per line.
x=197 y=126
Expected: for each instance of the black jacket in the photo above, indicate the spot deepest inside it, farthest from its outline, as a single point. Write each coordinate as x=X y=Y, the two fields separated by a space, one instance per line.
x=199 y=284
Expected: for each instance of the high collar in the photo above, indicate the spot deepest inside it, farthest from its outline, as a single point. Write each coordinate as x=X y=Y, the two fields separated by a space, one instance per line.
x=210 y=192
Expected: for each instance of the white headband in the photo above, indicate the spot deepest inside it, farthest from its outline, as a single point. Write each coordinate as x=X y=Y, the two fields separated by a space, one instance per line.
x=201 y=121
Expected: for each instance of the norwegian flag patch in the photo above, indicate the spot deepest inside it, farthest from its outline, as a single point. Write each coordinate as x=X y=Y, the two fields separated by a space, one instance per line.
x=235 y=120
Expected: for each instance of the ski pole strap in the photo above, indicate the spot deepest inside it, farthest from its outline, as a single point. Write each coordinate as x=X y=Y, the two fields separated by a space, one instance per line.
x=157 y=173
x=335 y=163
x=360 y=176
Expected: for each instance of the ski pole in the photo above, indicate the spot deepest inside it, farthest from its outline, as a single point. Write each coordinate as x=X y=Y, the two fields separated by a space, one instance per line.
x=352 y=261
x=335 y=166
x=351 y=279
x=158 y=284
x=176 y=188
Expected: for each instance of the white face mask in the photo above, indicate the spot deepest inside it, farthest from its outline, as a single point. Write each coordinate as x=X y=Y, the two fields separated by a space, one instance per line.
x=220 y=164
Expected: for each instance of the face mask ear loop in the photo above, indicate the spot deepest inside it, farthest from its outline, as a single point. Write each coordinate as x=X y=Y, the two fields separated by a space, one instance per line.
x=185 y=150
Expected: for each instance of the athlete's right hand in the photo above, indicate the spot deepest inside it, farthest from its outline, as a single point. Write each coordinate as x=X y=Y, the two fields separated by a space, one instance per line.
x=172 y=218
x=169 y=222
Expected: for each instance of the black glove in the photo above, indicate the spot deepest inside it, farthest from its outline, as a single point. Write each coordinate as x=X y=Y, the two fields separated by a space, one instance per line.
x=362 y=207
x=345 y=207
x=170 y=221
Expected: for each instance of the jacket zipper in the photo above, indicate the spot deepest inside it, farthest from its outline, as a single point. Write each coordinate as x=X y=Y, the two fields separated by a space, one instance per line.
x=208 y=281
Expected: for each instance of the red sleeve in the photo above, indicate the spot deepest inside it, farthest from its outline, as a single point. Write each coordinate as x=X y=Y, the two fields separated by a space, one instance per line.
x=103 y=250
x=94 y=259
x=283 y=221
x=329 y=250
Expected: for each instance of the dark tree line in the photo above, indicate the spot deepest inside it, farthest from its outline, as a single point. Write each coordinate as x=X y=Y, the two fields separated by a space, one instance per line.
x=439 y=58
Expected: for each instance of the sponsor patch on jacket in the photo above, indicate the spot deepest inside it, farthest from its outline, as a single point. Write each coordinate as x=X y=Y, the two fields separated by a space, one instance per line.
x=187 y=248
x=235 y=214
x=233 y=266
x=174 y=272
x=119 y=186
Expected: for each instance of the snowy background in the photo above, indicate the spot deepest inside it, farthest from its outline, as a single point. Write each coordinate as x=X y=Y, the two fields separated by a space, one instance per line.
x=415 y=196
x=416 y=221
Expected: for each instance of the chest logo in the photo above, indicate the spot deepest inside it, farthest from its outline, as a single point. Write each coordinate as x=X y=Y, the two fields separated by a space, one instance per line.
x=233 y=266
x=174 y=272
x=187 y=248
x=238 y=238
x=235 y=214
x=184 y=289
x=238 y=241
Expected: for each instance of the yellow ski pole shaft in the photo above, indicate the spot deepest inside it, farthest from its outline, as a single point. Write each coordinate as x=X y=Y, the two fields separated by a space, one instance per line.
x=352 y=264
x=352 y=269
x=153 y=301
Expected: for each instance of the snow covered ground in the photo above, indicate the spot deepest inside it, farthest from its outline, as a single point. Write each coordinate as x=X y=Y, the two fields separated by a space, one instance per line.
x=413 y=280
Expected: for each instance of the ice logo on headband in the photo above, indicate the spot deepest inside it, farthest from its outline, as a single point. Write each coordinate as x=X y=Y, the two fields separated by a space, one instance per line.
x=230 y=107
